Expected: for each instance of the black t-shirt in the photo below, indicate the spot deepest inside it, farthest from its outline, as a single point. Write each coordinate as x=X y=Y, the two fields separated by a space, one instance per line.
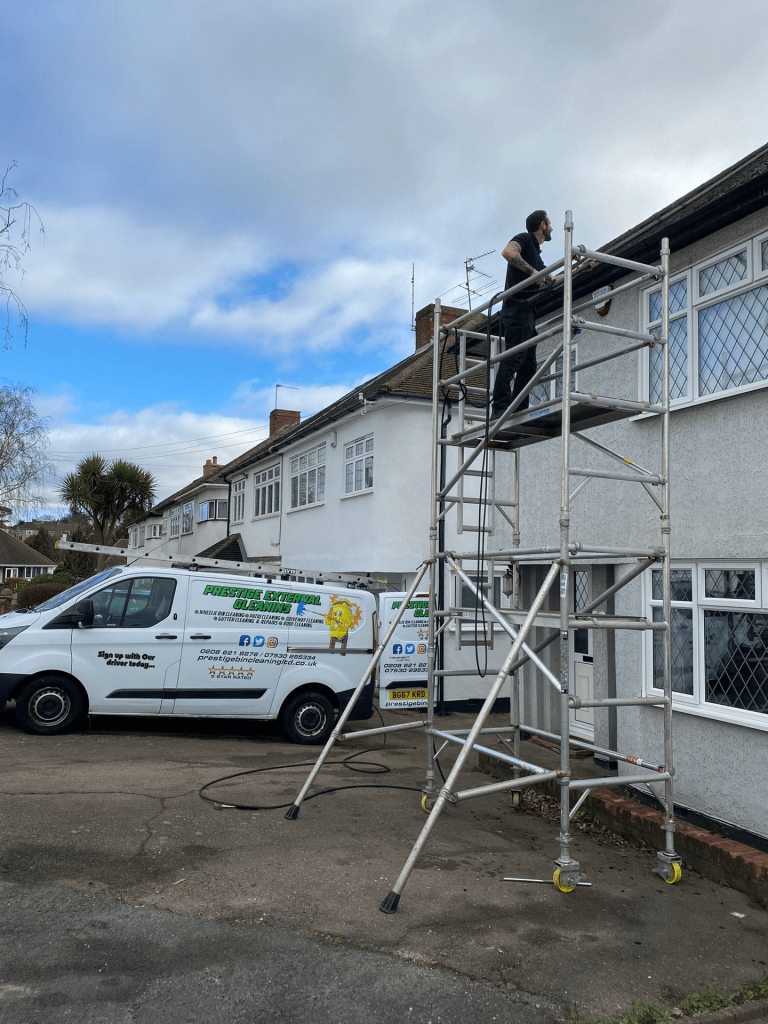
x=515 y=307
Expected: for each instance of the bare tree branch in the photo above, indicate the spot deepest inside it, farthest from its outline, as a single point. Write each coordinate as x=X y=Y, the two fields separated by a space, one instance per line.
x=13 y=248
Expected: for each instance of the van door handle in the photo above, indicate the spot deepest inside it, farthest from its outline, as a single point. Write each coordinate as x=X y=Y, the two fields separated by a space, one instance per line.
x=199 y=636
x=166 y=636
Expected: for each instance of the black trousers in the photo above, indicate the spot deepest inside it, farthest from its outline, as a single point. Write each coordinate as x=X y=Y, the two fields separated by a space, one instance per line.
x=521 y=366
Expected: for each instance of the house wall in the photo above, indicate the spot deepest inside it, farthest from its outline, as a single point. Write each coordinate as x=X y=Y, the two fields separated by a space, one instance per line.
x=384 y=530
x=718 y=468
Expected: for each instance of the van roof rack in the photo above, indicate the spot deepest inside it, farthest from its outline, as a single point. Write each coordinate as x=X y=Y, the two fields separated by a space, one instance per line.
x=265 y=570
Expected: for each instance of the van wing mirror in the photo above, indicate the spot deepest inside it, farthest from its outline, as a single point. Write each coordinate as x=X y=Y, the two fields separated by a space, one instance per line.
x=83 y=612
x=78 y=617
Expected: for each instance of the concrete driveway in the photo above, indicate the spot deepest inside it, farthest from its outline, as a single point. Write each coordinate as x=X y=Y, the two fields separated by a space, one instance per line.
x=107 y=825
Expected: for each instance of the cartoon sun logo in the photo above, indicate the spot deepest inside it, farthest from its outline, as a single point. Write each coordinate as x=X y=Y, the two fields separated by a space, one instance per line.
x=343 y=616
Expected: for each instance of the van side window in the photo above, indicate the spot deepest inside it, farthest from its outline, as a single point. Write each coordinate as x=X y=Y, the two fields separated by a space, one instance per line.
x=143 y=601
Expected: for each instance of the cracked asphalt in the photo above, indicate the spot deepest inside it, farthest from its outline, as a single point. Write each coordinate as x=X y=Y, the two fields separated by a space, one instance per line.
x=126 y=897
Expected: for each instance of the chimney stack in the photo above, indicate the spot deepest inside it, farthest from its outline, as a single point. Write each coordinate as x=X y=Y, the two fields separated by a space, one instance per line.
x=425 y=317
x=210 y=465
x=282 y=418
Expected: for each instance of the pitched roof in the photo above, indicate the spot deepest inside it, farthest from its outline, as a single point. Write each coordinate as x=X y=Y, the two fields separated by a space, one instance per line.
x=230 y=548
x=15 y=552
x=731 y=195
x=410 y=378
x=206 y=478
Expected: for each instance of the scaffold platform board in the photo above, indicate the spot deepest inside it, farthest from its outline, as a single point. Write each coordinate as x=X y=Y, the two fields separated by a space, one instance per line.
x=542 y=422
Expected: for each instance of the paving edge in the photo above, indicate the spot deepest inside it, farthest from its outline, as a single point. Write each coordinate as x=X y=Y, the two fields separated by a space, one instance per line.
x=725 y=860
x=732 y=1014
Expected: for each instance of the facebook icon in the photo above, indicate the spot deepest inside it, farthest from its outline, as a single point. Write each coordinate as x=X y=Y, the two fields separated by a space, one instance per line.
x=397 y=648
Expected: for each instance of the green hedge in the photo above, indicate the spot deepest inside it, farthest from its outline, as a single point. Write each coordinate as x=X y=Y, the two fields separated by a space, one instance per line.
x=27 y=596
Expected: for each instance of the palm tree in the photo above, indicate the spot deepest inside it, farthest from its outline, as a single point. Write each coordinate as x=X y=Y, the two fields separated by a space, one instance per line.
x=110 y=494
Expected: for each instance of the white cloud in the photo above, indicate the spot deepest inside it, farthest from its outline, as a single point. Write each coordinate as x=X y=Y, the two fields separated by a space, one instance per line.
x=170 y=442
x=99 y=265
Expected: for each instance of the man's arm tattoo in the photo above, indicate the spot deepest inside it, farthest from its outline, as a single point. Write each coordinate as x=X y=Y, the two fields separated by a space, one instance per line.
x=517 y=260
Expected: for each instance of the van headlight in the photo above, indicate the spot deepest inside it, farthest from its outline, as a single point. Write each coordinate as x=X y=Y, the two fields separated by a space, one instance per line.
x=7 y=633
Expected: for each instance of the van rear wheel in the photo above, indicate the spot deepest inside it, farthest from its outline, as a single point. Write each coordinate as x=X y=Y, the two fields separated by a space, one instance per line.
x=308 y=718
x=49 y=705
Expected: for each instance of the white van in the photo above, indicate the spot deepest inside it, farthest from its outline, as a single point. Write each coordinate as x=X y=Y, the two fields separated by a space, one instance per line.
x=141 y=641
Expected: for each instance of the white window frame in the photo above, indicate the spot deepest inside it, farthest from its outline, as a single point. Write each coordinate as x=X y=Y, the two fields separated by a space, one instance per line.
x=696 y=703
x=755 y=278
x=302 y=466
x=352 y=461
x=266 y=491
x=175 y=521
x=187 y=518
x=238 y=500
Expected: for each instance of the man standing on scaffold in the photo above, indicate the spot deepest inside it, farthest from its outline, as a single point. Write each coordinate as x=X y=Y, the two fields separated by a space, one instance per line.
x=518 y=319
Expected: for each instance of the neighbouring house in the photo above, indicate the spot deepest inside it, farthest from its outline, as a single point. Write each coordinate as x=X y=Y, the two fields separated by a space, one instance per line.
x=59 y=529
x=348 y=488
x=189 y=521
x=20 y=560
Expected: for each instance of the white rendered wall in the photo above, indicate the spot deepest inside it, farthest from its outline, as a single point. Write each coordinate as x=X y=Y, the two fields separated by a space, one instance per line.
x=719 y=465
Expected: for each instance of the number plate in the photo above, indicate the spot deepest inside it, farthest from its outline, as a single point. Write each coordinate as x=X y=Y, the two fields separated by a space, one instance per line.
x=407 y=694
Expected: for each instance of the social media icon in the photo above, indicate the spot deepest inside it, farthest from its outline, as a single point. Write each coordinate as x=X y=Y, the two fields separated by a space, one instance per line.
x=245 y=641
x=272 y=641
x=258 y=641
x=397 y=648
x=410 y=648
x=421 y=648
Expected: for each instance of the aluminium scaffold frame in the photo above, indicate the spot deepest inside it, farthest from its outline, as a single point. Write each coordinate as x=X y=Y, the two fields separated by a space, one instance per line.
x=566 y=416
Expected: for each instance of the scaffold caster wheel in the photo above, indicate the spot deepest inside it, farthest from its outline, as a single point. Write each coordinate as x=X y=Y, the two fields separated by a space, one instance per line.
x=427 y=803
x=563 y=886
x=675 y=874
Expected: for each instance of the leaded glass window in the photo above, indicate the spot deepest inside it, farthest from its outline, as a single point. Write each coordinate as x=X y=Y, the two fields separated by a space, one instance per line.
x=730 y=584
x=681 y=638
x=726 y=272
x=733 y=342
x=736 y=659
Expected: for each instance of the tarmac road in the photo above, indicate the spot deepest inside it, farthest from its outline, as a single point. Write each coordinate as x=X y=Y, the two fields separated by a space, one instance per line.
x=109 y=854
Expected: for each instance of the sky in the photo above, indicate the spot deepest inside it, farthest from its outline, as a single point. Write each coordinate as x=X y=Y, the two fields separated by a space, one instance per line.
x=234 y=194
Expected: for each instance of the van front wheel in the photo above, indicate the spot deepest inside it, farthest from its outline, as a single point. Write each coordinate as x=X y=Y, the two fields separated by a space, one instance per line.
x=308 y=718
x=49 y=705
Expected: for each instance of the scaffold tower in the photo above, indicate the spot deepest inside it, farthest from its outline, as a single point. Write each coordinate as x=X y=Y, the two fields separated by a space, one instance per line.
x=480 y=444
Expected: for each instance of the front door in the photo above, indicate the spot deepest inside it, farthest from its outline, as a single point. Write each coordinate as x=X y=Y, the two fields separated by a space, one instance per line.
x=235 y=644
x=128 y=660
x=582 y=720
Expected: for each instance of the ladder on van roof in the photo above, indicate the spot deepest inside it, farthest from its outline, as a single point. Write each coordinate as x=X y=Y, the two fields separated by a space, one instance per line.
x=265 y=570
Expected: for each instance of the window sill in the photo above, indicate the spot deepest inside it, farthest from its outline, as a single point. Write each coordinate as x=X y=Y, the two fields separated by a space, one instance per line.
x=719 y=396
x=303 y=508
x=726 y=716
x=357 y=494
x=269 y=515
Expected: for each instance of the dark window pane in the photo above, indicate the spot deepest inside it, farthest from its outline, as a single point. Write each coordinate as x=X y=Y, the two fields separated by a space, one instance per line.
x=150 y=602
x=736 y=660
x=109 y=604
x=730 y=584
x=681 y=636
x=680 y=585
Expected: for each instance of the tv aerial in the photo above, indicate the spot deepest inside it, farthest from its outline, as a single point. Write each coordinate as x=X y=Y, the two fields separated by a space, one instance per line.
x=476 y=282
